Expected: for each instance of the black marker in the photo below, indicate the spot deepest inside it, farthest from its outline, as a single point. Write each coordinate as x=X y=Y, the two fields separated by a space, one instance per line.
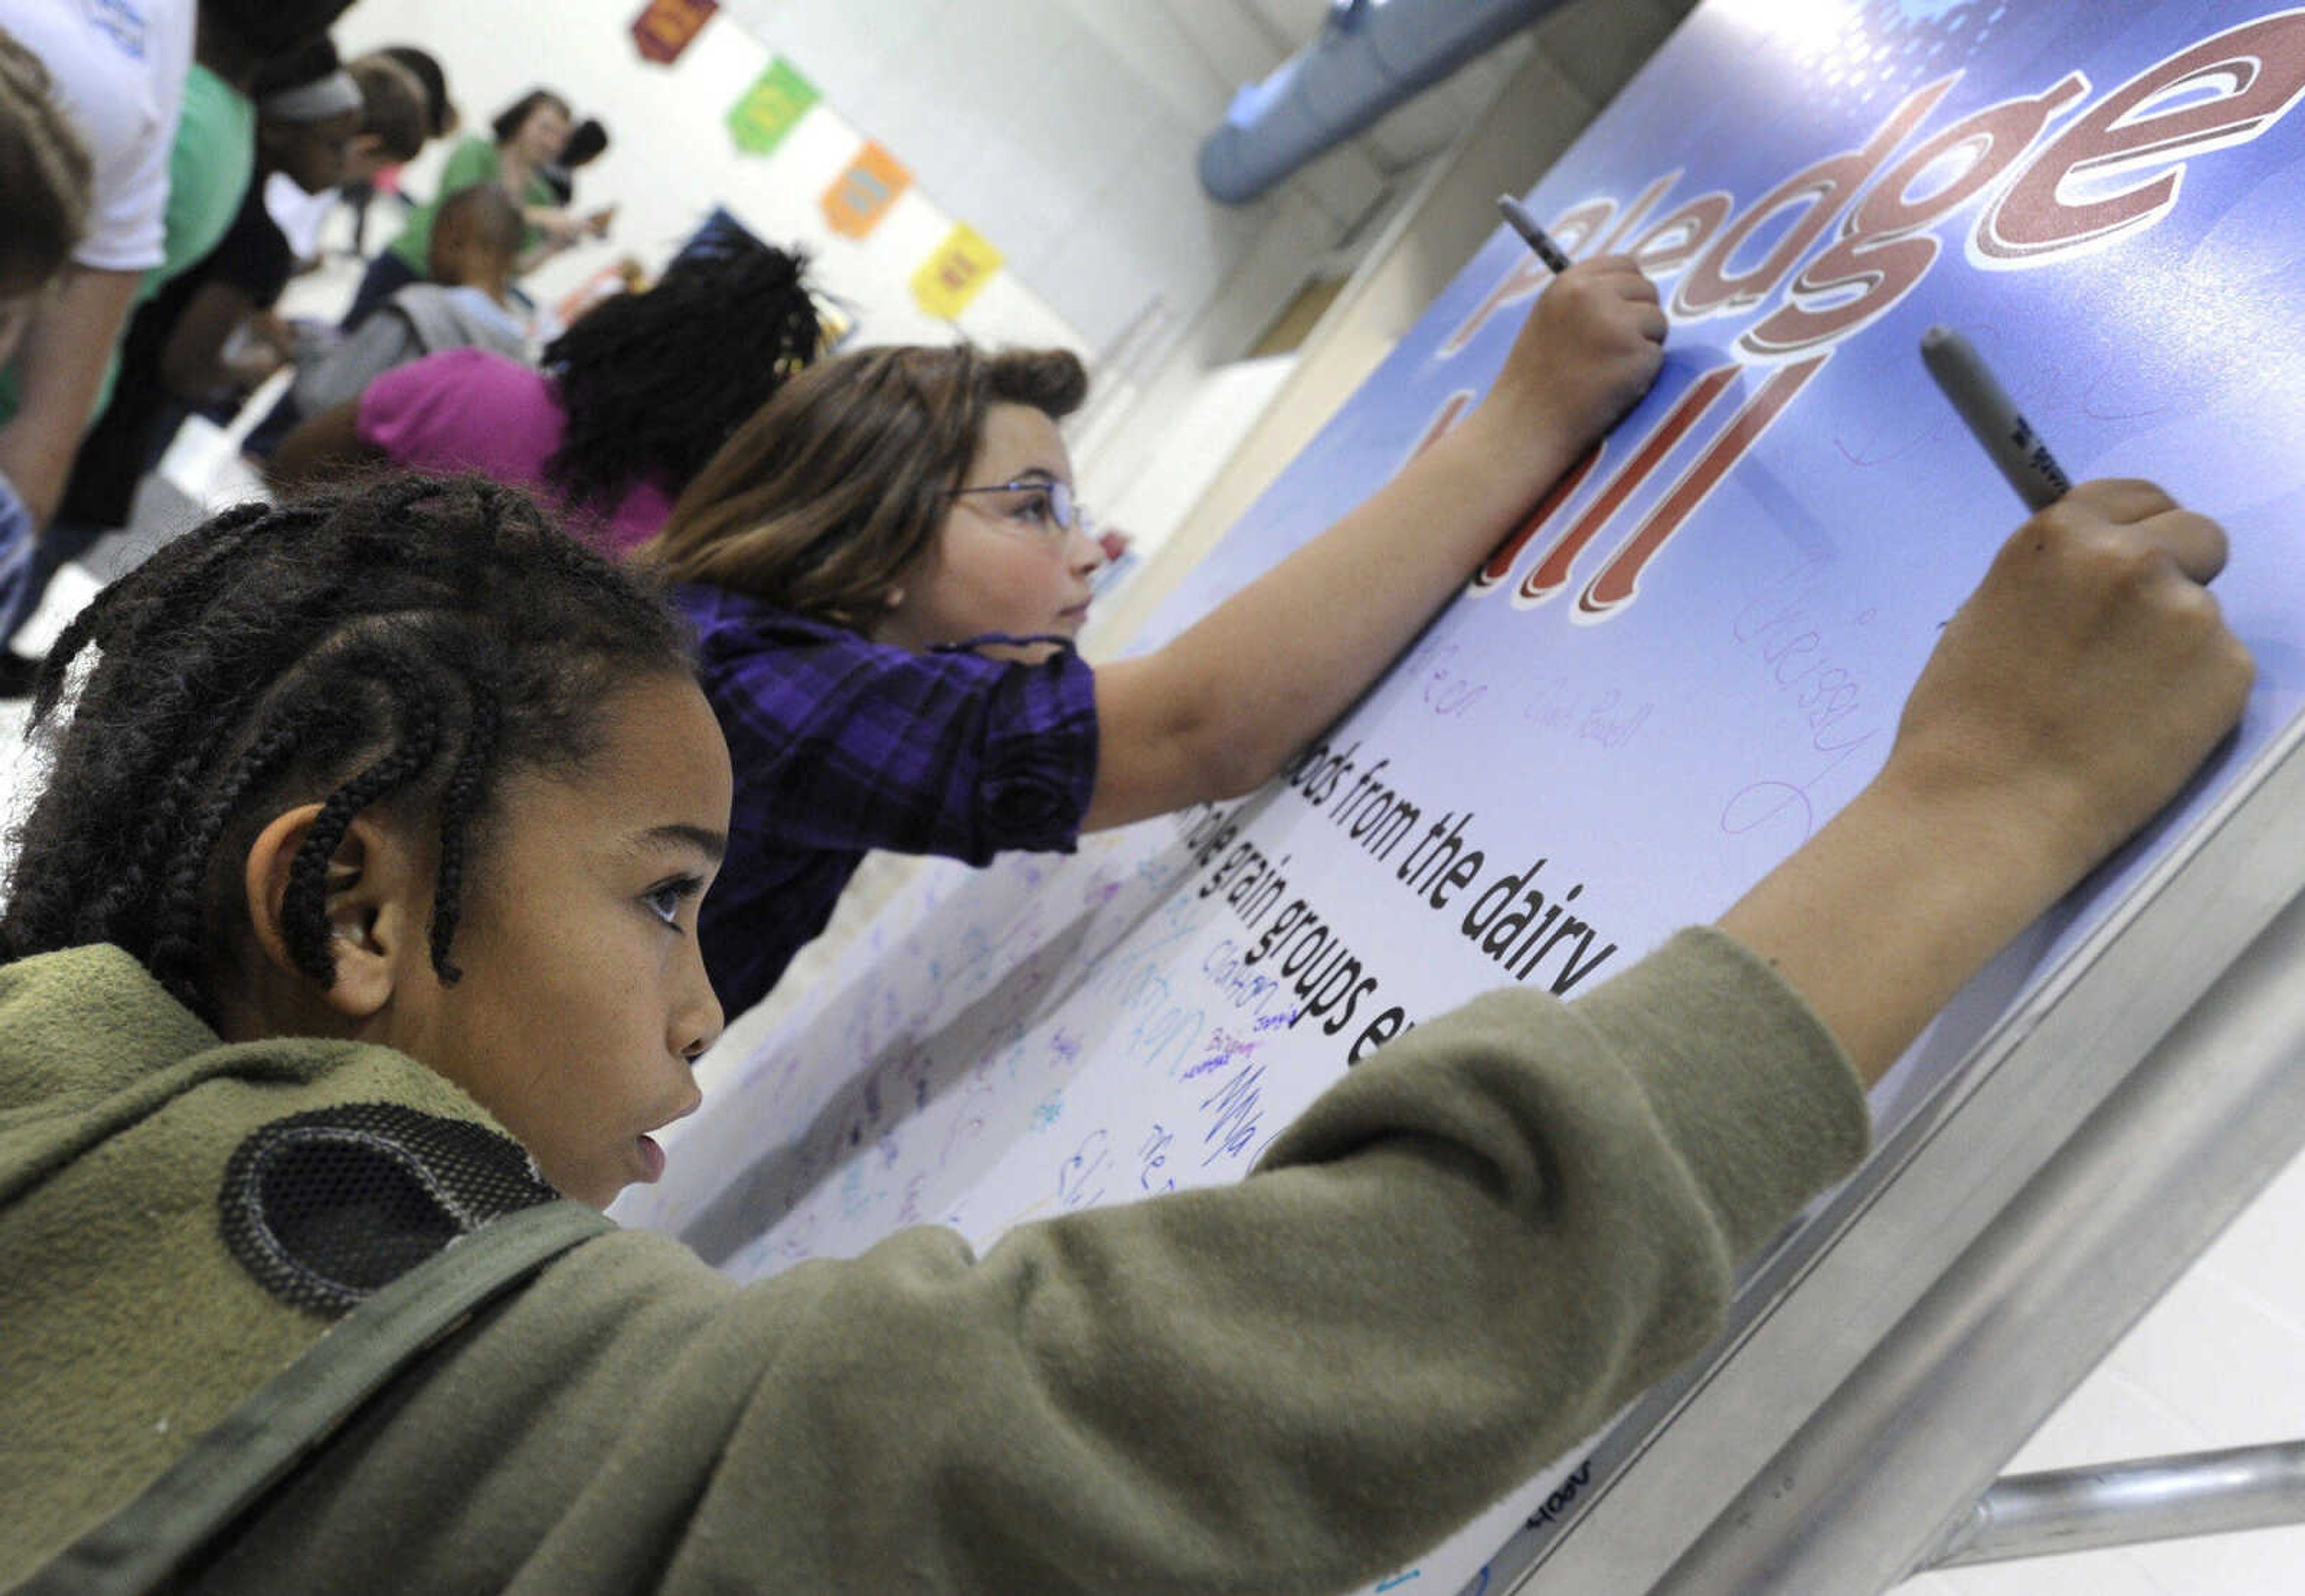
x=1984 y=404
x=1536 y=236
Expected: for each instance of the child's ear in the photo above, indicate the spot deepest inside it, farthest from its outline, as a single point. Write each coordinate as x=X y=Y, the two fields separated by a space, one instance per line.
x=364 y=157
x=378 y=908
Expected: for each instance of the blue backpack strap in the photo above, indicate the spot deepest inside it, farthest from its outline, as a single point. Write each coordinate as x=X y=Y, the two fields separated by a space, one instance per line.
x=228 y=1469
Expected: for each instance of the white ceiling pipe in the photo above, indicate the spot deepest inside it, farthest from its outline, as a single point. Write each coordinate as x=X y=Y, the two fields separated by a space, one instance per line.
x=1371 y=56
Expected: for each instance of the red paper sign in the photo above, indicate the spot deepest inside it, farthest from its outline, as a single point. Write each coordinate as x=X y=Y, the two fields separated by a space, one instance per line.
x=666 y=27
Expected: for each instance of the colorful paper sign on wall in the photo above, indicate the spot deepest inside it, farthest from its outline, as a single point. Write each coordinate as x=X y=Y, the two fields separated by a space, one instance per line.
x=770 y=109
x=863 y=192
x=957 y=272
x=665 y=28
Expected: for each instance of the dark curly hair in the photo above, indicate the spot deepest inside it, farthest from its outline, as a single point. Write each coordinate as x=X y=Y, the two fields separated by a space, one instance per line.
x=403 y=643
x=586 y=145
x=653 y=383
x=439 y=111
x=269 y=28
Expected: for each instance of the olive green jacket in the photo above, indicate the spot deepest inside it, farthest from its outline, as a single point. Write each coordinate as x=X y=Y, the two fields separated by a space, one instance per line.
x=1459 y=1262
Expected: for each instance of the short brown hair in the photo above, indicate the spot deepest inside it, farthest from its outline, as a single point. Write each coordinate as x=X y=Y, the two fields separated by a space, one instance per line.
x=821 y=502
x=394 y=109
x=484 y=213
x=45 y=177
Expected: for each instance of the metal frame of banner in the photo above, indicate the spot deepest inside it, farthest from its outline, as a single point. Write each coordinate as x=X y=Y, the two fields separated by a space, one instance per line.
x=1883 y=1366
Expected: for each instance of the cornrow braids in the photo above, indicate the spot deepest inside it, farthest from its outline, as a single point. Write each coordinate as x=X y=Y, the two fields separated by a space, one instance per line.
x=172 y=922
x=305 y=904
x=458 y=805
x=401 y=645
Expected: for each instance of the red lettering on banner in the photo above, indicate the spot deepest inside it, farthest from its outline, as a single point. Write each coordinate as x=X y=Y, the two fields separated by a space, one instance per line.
x=1528 y=274
x=1673 y=243
x=1619 y=582
x=1552 y=573
x=1501 y=563
x=2261 y=69
x=1452 y=409
x=1713 y=289
x=2063 y=197
x=1877 y=258
x=1638 y=209
x=1572 y=229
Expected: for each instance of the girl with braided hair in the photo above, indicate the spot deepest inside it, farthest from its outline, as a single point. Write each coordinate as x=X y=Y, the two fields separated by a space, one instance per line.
x=270 y=711
x=354 y=935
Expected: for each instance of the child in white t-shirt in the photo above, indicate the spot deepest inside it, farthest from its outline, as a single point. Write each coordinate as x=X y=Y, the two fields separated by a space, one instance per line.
x=116 y=72
x=45 y=176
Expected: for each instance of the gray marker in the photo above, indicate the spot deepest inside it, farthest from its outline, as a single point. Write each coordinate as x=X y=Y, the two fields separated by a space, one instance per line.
x=1984 y=404
x=1536 y=237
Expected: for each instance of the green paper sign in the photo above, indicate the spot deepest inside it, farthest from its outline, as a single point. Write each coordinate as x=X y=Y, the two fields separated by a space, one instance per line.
x=770 y=109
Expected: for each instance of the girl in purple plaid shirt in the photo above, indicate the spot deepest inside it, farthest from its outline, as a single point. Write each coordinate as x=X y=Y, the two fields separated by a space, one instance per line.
x=886 y=567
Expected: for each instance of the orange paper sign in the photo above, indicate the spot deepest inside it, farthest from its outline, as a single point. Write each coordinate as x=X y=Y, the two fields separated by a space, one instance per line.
x=862 y=193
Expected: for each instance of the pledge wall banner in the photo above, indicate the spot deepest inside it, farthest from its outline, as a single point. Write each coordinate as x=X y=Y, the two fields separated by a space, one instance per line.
x=1690 y=655
x=1694 y=648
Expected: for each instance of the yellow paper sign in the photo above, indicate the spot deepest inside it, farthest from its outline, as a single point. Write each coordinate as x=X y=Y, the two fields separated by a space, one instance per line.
x=956 y=273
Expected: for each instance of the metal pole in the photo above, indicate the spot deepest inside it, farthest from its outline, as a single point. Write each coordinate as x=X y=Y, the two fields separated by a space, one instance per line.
x=2152 y=1498
x=1910 y=1443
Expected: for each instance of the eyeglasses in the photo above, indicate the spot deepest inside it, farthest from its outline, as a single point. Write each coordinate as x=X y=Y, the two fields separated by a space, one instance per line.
x=1045 y=508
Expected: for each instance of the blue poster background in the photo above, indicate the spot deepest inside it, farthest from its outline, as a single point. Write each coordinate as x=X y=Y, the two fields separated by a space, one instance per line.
x=2171 y=353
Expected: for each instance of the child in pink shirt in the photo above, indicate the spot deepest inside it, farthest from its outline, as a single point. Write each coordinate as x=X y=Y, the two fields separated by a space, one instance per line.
x=631 y=402
x=475 y=409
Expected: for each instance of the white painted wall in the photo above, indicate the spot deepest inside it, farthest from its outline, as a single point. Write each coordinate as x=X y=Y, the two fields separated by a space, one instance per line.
x=671 y=160
x=1066 y=132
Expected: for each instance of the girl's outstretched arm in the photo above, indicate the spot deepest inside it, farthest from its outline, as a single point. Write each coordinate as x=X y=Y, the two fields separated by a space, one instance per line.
x=1217 y=712
x=60 y=374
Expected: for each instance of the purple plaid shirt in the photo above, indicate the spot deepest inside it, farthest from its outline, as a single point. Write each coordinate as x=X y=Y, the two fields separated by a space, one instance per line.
x=841 y=744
